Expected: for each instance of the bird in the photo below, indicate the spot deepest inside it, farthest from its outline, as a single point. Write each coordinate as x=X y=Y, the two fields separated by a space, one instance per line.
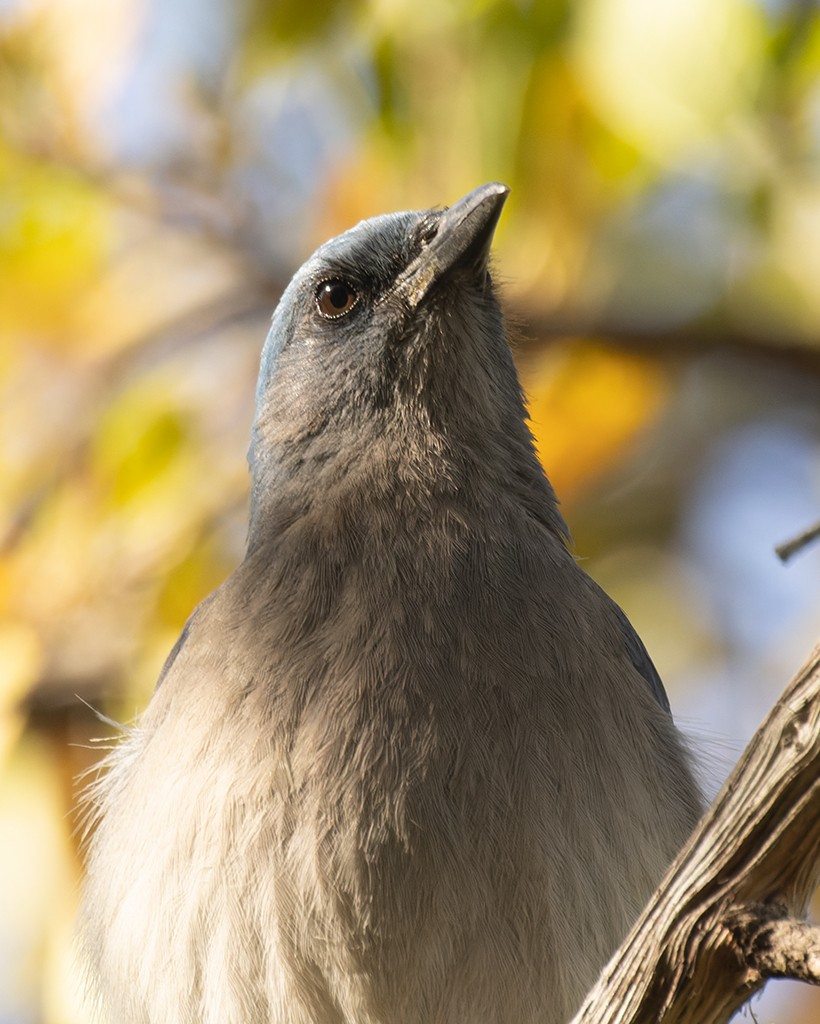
x=409 y=763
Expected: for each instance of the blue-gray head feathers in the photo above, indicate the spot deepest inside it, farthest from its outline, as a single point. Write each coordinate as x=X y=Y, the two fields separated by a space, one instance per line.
x=388 y=348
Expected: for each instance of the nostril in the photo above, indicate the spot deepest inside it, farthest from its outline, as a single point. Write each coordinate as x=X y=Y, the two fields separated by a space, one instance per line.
x=429 y=232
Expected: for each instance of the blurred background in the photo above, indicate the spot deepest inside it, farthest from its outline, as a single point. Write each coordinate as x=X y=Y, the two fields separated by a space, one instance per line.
x=164 y=167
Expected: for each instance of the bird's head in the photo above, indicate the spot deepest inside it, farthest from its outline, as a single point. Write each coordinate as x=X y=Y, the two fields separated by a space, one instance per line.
x=388 y=352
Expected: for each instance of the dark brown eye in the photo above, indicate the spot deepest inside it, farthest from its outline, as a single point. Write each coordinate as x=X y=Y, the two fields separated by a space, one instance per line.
x=335 y=299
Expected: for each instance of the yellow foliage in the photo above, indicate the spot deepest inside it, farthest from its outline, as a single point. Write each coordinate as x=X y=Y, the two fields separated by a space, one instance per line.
x=138 y=441
x=38 y=894
x=53 y=231
x=670 y=76
x=587 y=403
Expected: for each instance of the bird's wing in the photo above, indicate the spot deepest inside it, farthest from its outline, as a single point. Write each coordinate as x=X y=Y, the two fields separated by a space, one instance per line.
x=640 y=658
x=183 y=637
x=172 y=655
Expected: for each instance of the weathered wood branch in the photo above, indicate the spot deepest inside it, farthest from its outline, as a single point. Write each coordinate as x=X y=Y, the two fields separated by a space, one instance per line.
x=780 y=947
x=729 y=914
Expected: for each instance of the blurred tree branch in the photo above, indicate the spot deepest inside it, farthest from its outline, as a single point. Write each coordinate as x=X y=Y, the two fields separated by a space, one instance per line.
x=790 y=547
x=728 y=915
x=687 y=339
x=257 y=298
x=217 y=221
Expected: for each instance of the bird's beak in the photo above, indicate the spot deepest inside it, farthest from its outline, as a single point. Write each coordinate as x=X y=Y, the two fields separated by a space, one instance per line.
x=463 y=238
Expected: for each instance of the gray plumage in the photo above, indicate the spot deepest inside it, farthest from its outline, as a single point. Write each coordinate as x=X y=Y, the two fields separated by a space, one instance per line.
x=409 y=764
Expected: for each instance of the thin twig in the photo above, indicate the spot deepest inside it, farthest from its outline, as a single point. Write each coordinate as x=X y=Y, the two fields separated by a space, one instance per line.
x=802 y=540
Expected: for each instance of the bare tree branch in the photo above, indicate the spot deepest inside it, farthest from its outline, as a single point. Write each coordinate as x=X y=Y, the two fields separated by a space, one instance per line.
x=689 y=339
x=780 y=947
x=188 y=206
x=788 y=548
x=726 y=917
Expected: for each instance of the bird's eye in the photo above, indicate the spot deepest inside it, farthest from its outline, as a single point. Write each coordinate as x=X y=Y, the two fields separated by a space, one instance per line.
x=335 y=299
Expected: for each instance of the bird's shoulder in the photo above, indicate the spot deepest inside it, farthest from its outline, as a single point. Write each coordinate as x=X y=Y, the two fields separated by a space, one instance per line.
x=616 y=632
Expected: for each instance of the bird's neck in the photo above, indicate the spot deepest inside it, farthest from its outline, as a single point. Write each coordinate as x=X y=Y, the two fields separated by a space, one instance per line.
x=400 y=478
